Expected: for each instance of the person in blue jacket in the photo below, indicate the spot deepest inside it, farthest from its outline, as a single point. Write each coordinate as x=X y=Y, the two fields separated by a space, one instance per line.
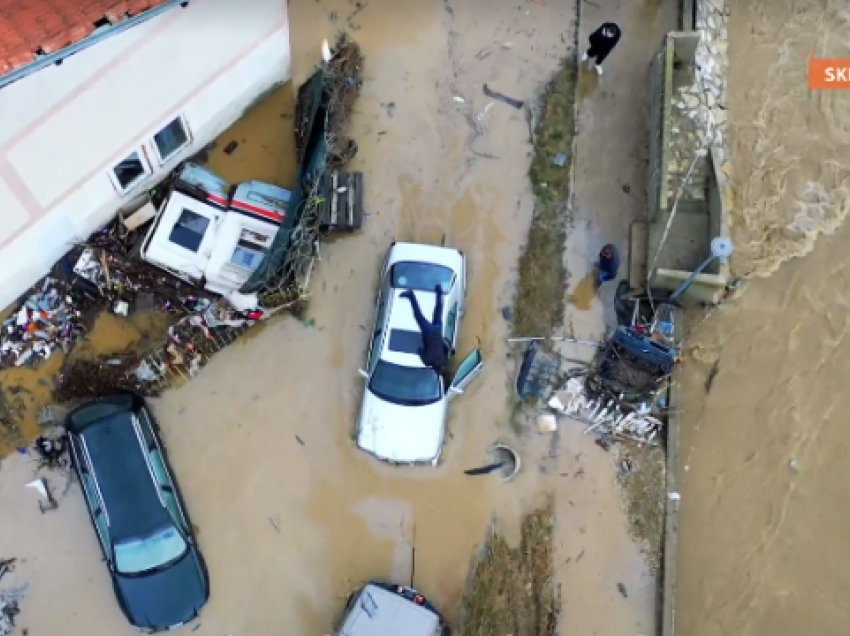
x=609 y=264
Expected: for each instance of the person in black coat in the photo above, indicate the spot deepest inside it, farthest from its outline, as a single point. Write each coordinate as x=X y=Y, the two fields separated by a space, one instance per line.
x=434 y=351
x=602 y=42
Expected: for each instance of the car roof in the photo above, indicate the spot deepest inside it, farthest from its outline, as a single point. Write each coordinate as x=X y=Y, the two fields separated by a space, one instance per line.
x=121 y=470
x=379 y=612
x=401 y=322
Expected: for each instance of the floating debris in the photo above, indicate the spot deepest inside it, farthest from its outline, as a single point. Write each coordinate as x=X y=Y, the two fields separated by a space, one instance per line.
x=510 y=101
x=52 y=451
x=10 y=600
x=607 y=418
x=48 y=319
x=484 y=470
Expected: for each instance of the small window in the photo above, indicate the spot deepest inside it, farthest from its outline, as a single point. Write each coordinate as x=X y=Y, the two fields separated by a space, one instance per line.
x=130 y=171
x=171 y=139
x=189 y=230
x=247 y=256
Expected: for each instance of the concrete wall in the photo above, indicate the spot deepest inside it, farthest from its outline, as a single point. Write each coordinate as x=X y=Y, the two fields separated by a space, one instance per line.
x=673 y=67
x=63 y=128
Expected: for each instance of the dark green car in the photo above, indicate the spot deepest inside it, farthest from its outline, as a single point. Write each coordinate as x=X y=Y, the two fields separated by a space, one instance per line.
x=157 y=571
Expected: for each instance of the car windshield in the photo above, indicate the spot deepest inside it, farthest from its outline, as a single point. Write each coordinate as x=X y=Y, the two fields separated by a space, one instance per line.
x=421 y=276
x=141 y=554
x=408 y=386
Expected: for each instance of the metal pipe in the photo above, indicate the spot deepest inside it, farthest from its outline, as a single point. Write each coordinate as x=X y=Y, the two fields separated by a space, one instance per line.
x=96 y=37
x=588 y=343
x=681 y=289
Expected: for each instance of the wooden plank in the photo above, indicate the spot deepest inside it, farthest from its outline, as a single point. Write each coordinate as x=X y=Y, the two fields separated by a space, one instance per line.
x=638 y=246
x=343 y=205
x=334 y=199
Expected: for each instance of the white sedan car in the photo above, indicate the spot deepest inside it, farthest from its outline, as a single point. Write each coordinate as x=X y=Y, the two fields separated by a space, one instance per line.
x=403 y=415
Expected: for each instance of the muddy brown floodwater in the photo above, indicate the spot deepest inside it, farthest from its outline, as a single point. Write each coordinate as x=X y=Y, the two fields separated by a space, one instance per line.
x=764 y=520
x=290 y=516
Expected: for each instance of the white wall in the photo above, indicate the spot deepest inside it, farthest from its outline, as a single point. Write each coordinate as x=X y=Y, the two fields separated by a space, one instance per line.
x=64 y=127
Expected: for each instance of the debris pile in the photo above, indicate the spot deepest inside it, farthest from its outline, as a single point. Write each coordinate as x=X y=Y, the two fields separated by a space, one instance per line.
x=9 y=600
x=110 y=265
x=607 y=418
x=191 y=342
x=52 y=450
x=343 y=80
x=48 y=319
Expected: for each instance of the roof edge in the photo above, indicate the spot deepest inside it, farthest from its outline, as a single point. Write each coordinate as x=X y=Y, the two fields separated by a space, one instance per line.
x=58 y=56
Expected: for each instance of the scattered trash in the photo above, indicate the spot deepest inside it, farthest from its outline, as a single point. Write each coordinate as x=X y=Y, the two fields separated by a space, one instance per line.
x=484 y=114
x=510 y=101
x=52 y=452
x=622 y=590
x=326 y=51
x=608 y=417
x=507 y=314
x=10 y=600
x=300 y=441
x=556 y=404
x=674 y=496
x=547 y=423
x=458 y=99
x=275 y=521
x=560 y=159
x=229 y=148
x=484 y=470
x=39 y=486
x=793 y=465
x=604 y=443
x=49 y=318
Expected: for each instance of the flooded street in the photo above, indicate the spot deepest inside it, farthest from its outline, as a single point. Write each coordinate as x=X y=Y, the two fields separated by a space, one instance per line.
x=290 y=515
x=765 y=446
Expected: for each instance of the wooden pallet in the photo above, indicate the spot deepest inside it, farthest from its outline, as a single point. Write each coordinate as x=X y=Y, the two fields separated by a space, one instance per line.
x=342 y=208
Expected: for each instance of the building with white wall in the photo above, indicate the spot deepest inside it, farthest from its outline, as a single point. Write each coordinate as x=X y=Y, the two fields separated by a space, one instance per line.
x=100 y=99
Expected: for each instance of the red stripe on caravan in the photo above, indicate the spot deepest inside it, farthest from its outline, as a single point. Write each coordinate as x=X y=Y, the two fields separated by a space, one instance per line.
x=217 y=200
x=247 y=207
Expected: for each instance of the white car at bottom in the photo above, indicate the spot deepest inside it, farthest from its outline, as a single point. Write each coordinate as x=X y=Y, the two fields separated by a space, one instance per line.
x=403 y=415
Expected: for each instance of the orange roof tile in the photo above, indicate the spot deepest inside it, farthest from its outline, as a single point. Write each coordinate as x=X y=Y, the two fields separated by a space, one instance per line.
x=31 y=27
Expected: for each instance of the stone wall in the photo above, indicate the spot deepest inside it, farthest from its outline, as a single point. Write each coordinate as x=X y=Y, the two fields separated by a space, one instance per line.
x=712 y=63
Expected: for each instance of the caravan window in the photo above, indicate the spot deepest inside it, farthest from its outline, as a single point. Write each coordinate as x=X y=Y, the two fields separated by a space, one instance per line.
x=189 y=230
x=129 y=171
x=171 y=139
x=247 y=256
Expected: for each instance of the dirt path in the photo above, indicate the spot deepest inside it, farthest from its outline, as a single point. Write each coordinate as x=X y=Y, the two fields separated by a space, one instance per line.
x=610 y=188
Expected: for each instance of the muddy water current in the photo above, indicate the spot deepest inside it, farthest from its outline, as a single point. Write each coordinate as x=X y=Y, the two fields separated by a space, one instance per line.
x=766 y=446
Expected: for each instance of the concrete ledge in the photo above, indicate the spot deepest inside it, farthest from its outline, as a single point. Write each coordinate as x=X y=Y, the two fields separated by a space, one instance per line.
x=671 y=506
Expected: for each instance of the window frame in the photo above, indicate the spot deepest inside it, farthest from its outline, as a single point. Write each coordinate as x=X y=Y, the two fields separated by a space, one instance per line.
x=152 y=142
x=146 y=164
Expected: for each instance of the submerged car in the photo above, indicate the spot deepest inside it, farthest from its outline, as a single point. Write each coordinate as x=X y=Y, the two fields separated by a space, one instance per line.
x=157 y=571
x=403 y=414
x=390 y=610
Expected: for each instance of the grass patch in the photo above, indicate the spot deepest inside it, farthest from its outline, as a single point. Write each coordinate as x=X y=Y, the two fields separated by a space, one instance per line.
x=511 y=589
x=541 y=285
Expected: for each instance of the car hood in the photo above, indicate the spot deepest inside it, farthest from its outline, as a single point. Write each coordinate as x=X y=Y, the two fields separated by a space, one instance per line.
x=162 y=599
x=403 y=434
